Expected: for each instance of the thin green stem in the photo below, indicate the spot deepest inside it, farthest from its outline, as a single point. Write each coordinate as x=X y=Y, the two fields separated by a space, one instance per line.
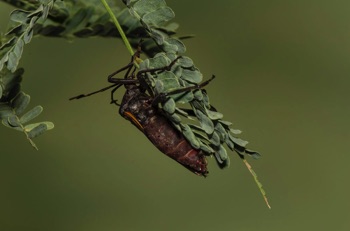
x=121 y=32
x=257 y=182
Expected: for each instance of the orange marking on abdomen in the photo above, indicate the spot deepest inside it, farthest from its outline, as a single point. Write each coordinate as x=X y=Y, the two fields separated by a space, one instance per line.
x=133 y=119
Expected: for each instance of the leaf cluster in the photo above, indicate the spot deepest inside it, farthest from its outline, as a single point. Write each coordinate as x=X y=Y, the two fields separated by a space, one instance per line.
x=201 y=124
x=13 y=103
x=56 y=18
x=22 y=33
x=153 y=16
x=142 y=19
x=186 y=103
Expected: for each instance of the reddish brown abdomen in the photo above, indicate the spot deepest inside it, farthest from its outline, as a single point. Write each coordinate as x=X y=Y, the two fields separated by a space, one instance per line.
x=172 y=143
x=137 y=108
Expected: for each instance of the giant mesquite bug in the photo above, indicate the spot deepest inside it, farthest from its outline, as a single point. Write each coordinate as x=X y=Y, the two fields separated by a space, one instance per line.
x=140 y=106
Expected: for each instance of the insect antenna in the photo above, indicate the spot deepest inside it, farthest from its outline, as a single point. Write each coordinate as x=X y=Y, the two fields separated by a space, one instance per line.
x=116 y=85
x=116 y=82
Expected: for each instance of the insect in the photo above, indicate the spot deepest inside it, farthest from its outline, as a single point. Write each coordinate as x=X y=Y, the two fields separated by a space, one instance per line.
x=140 y=106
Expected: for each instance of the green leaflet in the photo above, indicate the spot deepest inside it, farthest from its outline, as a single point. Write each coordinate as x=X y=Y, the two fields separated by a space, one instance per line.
x=20 y=102
x=221 y=157
x=215 y=139
x=192 y=76
x=165 y=82
x=213 y=115
x=198 y=95
x=29 y=32
x=182 y=112
x=196 y=127
x=254 y=154
x=13 y=121
x=206 y=148
x=5 y=111
x=186 y=62
x=169 y=106
x=159 y=61
x=235 y=131
x=176 y=119
x=18 y=49
x=205 y=99
x=171 y=56
x=11 y=124
x=143 y=7
x=205 y=122
x=221 y=131
x=159 y=16
x=12 y=61
x=229 y=143
x=226 y=123
x=200 y=135
x=198 y=106
x=177 y=70
x=172 y=45
x=20 y=16
x=144 y=65
x=29 y=127
x=189 y=135
x=38 y=130
x=238 y=141
x=222 y=153
x=31 y=114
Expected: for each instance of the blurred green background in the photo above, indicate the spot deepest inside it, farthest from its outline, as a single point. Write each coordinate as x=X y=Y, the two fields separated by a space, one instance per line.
x=283 y=76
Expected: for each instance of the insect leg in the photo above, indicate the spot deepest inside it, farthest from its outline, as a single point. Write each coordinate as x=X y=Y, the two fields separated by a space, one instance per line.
x=166 y=68
x=128 y=67
x=163 y=96
x=112 y=94
x=124 y=80
x=92 y=93
x=117 y=83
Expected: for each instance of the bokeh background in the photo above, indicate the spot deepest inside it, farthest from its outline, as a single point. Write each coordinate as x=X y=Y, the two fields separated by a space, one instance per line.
x=283 y=76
